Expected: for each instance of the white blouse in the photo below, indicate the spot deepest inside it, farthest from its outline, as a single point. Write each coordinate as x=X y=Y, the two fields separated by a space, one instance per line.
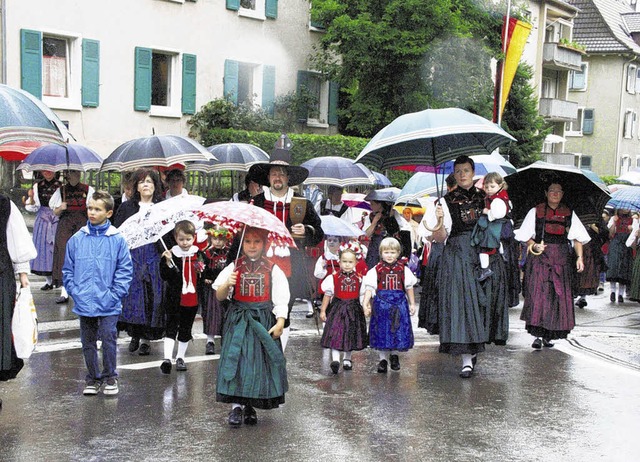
x=370 y=281
x=329 y=289
x=527 y=230
x=56 y=199
x=20 y=246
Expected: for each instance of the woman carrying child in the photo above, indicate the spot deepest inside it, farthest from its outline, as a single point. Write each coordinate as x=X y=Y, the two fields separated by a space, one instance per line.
x=252 y=370
x=392 y=282
x=346 y=325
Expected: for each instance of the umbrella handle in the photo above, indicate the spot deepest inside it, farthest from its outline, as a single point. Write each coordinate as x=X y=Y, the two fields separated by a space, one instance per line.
x=438 y=225
x=532 y=252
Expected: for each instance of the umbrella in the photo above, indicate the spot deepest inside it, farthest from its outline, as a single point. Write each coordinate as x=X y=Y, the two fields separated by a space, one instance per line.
x=626 y=199
x=381 y=180
x=383 y=195
x=356 y=200
x=146 y=227
x=155 y=151
x=230 y=156
x=334 y=226
x=337 y=171
x=527 y=185
x=233 y=215
x=432 y=137
x=26 y=124
x=484 y=163
x=419 y=185
x=551 y=138
x=630 y=177
x=57 y=158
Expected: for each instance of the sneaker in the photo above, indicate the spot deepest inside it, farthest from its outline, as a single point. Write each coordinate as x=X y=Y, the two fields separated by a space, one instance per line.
x=486 y=272
x=382 y=366
x=335 y=366
x=180 y=365
x=395 y=363
x=165 y=367
x=250 y=416
x=145 y=349
x=111 y=388
x=92 y=387
x=210 y=348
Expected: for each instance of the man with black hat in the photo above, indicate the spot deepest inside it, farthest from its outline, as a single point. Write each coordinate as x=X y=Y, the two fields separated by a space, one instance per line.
x=277 y=198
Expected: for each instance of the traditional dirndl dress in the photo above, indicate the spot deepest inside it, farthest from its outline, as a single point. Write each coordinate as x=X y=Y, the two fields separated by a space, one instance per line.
x=44 y=227
x=390 y=324
x=620 y=257
x=428 y=310
x=346 y=326
x=213 y=310
x=252 y=368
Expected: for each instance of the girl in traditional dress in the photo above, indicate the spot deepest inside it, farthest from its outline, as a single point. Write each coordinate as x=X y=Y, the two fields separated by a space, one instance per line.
x=548 y=230
x=620 y=257
x=69 y=202
x=252 y=369
x=392 y=282
x=346 y=326
x=384 y=221
x=215 y=256
x=587 y=282
x=45 y=225
x=142 y=312
x=16 y=250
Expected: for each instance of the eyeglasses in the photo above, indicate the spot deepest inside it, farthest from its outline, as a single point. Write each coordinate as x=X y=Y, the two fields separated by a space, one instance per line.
x=556 y=191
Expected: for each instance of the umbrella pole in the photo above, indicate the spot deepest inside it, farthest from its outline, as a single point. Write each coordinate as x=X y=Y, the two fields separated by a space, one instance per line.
x=235 y=263
x=171 y=265
x=440 y=221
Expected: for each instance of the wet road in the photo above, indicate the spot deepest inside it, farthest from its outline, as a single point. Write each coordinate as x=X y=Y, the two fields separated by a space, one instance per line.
x=577 y=401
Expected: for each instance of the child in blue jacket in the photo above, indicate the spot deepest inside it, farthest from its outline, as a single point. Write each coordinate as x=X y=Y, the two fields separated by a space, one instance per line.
x=97 y=273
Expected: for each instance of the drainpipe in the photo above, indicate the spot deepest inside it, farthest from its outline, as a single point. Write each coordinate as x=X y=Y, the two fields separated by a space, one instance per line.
x=3 y=40
x=625 y=68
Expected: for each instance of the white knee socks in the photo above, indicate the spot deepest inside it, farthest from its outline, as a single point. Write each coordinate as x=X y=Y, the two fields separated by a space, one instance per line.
x=168 y=347
x=484 y=260
x=182 y=349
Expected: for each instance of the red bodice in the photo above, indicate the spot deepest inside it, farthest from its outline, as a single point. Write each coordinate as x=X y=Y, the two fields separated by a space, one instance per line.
x=254 y=280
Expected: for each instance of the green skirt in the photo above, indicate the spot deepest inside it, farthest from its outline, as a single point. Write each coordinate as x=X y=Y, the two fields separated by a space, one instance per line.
x=252 y=368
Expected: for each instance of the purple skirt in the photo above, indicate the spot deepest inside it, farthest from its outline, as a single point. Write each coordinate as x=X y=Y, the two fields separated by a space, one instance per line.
x=548 y=303
x=346 y=326
x=212 y=312
x=44 y=234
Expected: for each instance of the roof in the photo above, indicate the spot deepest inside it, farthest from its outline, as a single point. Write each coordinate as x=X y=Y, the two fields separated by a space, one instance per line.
x=604 y=26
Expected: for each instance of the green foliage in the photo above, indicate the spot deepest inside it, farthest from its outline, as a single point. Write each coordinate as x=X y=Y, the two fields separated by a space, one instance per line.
x=522 y=121
x=609 y=179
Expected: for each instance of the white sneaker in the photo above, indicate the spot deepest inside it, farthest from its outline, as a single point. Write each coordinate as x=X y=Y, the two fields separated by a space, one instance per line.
x=111 y=388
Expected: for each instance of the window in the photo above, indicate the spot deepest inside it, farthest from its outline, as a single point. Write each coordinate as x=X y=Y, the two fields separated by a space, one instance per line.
x=558 y=28
x=62 y=70
x=574 y=128
x=637 y=161
x=631 y=79
x=321 y=97
x=257 y=9
x=250 y=83
x=629 y=123
x=585 y=162
x=578 y=79
x=315 y=25
x=164 y=82
x=587 y=121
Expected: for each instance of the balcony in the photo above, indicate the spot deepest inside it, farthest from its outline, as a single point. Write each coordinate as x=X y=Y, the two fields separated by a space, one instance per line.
x=557 y=110
x=561 y=58
x=559 y=158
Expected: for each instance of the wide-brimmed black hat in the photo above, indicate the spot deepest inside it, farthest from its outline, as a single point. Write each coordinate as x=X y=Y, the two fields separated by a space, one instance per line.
x=280 y=157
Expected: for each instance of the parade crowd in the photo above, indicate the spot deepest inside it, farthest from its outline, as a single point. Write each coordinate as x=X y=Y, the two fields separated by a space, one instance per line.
x=464 y=256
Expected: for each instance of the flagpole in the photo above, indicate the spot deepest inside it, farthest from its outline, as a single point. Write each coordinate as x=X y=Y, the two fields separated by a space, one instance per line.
x=505 y=37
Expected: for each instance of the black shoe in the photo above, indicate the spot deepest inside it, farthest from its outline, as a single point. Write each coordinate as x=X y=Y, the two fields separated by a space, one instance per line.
x=134 y=344
x=612 y=297
x=145 y=349
x=382 y=366
x=486 y=272
x=466 y=372
x=46 y=287
x=581 y=303
x=347 y=365
x=165 y=367
x=235 y=417
x=250 y=416
x=335 y=366
x=620 y=299
x=537 y=344
x=395 y=363
x=180 y=365
x=60 y=300
x=546 y=343
x=210 y=348
x=309 y=315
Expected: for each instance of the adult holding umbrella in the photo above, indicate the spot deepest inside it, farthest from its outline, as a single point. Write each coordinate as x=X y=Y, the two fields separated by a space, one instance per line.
x=142 y=314
x=548 y=230
x=471 y=313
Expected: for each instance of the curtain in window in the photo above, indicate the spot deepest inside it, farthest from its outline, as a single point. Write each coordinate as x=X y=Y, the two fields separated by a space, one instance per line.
x=54 y=76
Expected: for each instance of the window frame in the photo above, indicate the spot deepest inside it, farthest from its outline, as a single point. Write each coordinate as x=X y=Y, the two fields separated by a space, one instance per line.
x=628 y=126
x=631 y=79
x=584 y=73
x=73 y=100
x=259 y=12
x=577 y=123
x=174 y=106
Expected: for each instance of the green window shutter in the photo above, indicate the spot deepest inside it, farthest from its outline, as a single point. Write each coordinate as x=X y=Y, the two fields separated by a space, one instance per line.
x=333 y=103
x=31 y=62
x=233 y=5
x=188 y=84
x=90 y=73
x=268 y=88
x=142 y=88
x=271 y=9
x=301 y=85
x=587 y=122
x=231 y=80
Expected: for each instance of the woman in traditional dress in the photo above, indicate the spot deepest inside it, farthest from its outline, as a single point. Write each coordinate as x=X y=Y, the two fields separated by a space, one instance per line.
x=548 y=230
x=142 y=313
x=384 y=221
x=471 y=313
x=69 y=203
x=620 y=257
x=45 y=225
x=16 y=250
x=587 y=282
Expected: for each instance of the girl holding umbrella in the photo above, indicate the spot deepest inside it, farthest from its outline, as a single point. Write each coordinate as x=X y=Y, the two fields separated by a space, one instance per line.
x=548 y=230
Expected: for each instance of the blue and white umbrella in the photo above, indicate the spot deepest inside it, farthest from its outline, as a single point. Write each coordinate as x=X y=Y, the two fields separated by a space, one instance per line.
x=381 y=180
x=337 y=171
x=56 y=158
x=334 y=226
x=230 y=156
x=626 y=199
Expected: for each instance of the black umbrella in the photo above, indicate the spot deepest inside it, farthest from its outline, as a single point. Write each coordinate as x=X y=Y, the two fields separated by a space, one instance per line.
x=527 y=186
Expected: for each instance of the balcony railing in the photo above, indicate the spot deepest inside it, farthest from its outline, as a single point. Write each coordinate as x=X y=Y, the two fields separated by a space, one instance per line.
x=557 y=110
x=558 y=57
